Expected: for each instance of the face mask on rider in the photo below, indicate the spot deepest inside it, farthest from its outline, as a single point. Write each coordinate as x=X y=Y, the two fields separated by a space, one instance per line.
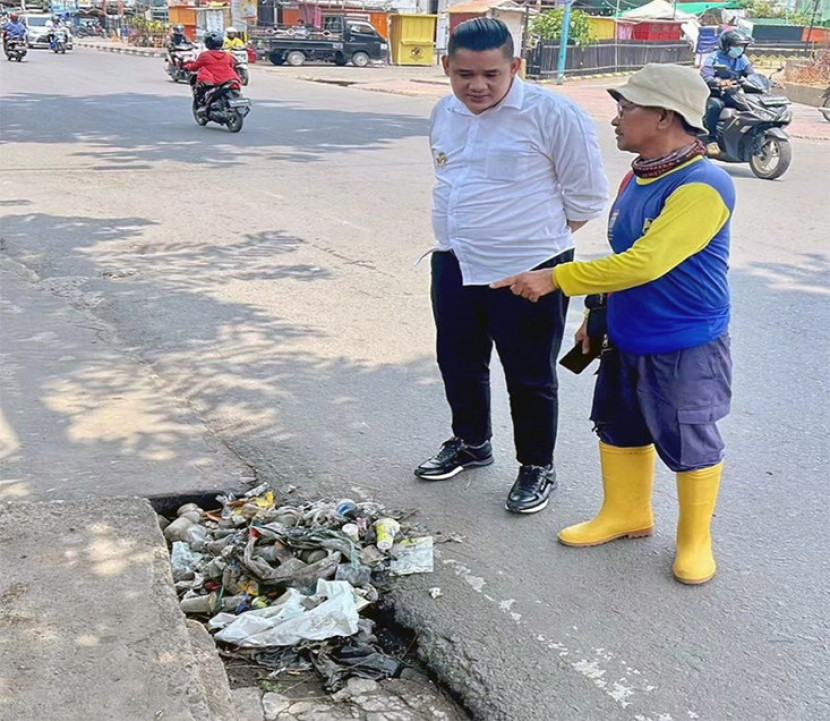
x=735 y=52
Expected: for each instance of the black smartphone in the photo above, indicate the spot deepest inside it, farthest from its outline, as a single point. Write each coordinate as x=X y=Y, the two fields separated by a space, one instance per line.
x=576 y=361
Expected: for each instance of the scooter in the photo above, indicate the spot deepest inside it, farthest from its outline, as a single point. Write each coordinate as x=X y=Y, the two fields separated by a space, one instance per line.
x=240 y=56
x=751 y=127
x=222 y=104
x=176 y=59
x=57 y=42
x=15 y=48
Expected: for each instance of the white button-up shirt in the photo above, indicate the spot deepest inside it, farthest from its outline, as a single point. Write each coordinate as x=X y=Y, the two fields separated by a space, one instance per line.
x=509 y=179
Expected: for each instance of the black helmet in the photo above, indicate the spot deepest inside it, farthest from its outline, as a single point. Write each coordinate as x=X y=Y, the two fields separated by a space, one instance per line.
x=178 y=30
x=733 y=39
x=213 y=41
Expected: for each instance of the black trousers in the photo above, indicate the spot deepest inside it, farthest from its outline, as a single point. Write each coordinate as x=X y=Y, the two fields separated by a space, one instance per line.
x=527 y=336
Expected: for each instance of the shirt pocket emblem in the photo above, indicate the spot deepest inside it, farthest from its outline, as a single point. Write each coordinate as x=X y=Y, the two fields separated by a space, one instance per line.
x=441 y=160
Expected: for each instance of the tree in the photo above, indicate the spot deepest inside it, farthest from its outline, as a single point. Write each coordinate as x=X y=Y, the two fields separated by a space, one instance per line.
x=548 y=26
x=771 y=9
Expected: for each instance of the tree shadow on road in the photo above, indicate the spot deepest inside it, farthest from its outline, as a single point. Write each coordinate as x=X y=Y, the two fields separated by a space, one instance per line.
x=243 y=367
x=127 y=130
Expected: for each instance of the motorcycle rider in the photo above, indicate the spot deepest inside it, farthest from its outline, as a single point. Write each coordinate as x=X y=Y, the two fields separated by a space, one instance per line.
x=55 y=25
x=14 y=29
x=232 y=40
x=178 y=43
x=178 y=40
x=731 y=55
x=214 y=67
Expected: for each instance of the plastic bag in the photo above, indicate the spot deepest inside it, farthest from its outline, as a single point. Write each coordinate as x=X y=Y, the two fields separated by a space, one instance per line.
x=289 y=623
x=184 y=561
x=413 y=555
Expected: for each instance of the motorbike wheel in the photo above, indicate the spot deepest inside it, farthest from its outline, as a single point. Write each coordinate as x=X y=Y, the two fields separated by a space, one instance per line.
x=200 y=119
x=243 y=75
x=826 y=104
x=19 y=58
x=235 y=121
x=773 y=160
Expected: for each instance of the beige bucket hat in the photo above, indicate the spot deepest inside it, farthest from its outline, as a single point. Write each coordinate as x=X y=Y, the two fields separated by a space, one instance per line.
x=672 y=87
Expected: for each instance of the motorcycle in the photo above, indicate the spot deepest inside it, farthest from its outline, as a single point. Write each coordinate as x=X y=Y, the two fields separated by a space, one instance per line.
x=240 y=55
x=222 y=104
x=825 y=104
x=176 y=59
x=15 y=48
x=57 y=41
x=89 y=30
x=751 y=127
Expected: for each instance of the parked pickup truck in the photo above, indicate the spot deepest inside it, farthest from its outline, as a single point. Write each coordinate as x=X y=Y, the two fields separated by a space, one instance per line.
x=344 y=41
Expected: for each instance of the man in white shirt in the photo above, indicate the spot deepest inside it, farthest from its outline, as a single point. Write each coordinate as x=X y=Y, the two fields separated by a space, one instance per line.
x=518 y=169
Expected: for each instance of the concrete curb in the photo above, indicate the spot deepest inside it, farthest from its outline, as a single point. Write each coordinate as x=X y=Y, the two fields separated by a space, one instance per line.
x=804 y=94
x=147 y=52
x=123 y=649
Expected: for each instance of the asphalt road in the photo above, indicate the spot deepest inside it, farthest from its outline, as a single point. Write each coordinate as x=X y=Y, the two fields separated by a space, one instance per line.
x=268 y=280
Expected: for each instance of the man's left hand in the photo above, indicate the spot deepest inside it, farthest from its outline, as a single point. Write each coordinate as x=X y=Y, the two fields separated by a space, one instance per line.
x=531 y=285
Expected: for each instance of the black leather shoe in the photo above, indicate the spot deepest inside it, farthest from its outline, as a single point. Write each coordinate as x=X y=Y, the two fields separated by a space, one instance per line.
x=531 y=490
x=454 y=457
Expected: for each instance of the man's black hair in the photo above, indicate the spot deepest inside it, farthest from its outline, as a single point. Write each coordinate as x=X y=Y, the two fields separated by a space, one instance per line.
x=481 y=34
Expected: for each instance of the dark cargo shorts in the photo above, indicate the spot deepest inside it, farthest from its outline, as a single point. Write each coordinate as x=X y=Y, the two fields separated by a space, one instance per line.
x=673 y=400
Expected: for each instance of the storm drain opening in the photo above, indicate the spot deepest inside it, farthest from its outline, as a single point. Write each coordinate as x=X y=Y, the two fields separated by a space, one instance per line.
x=296 y=596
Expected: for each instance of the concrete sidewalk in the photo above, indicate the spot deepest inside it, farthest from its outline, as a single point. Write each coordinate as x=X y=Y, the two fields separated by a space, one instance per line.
x=92 y=629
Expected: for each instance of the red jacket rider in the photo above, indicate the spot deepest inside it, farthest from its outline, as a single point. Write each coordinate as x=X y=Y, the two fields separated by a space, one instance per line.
x=214 y=67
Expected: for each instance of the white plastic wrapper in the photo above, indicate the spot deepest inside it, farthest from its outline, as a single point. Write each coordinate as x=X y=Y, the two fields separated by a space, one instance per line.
x=414 y=555
x=288 y=621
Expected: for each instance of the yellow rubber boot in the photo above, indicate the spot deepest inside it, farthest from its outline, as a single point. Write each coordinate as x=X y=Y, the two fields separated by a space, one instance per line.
x=697 y=493
x=628 y=484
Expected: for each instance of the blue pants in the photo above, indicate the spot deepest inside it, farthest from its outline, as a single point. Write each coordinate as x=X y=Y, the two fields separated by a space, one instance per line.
x=673 y=400
x=469 y=320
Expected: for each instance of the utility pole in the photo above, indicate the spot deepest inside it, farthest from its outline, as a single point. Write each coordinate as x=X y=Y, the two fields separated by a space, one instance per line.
x=809 y=38
x=563 y=48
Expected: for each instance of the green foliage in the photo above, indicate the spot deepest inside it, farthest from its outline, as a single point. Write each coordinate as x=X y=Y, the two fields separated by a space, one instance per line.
x=145 y=26
x=548 y=26
x=771 y=9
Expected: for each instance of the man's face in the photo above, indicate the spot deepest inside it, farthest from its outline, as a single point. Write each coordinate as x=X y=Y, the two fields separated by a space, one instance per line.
x=480 y=80
x=635 y=126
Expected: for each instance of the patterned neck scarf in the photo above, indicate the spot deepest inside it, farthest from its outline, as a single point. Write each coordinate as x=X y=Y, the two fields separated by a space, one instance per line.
x=660 y=166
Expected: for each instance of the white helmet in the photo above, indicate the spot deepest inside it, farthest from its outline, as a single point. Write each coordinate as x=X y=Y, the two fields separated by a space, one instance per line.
x=231 y=30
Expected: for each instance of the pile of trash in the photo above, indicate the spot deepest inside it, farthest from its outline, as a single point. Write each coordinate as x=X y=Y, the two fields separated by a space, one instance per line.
x=285 y=585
